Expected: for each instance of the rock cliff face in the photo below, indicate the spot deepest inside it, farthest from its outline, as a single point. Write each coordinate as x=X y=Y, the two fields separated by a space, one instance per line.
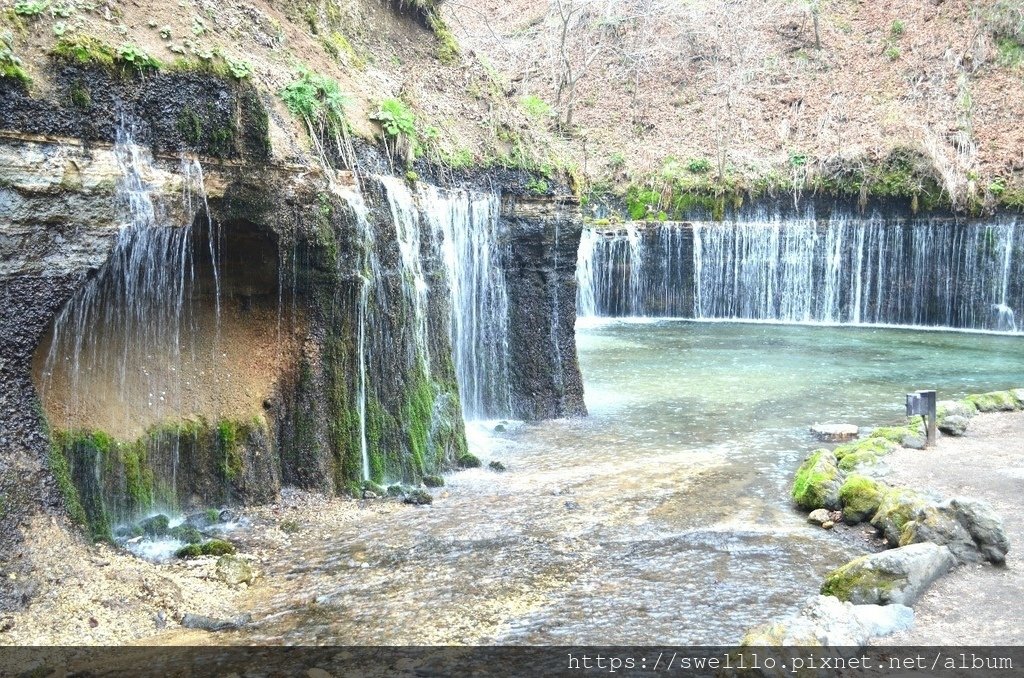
x=190 y=323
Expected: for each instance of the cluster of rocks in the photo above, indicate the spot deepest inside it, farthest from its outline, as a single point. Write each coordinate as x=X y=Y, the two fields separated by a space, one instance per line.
x=929 y=536
x=420 y=496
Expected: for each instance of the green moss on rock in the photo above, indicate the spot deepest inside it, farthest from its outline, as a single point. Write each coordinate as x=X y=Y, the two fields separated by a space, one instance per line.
x=865 y=452
x=860 y=497
x=856 y=583
x=817 y=482
x=898 y=507
x=214 y=547
x=468 y=460
x=995 y=401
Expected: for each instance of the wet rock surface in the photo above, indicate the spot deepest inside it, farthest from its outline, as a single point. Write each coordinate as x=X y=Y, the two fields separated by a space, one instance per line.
x=898 y=575
x=824 y=620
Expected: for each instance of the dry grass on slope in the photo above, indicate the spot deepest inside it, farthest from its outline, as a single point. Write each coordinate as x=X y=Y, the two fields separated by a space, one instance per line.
x=753 y=88
x=373 y=49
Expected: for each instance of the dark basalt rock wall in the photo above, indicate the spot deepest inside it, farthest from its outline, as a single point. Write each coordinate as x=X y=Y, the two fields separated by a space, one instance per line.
x=545 y=375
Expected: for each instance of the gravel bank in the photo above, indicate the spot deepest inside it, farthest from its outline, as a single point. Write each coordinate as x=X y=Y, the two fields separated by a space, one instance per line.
x=975 y=604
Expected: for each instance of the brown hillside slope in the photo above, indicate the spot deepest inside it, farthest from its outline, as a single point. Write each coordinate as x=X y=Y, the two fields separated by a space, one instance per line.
x=748 y=86
x=374 y=49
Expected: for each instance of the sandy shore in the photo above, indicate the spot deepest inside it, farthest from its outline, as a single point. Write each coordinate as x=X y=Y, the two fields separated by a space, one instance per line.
x=975 y=604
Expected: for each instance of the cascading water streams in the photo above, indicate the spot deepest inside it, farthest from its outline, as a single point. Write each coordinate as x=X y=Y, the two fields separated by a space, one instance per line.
x=370 y=292
x=466 y=235
x=915 y=272
x=406 y=218
x=123 y=337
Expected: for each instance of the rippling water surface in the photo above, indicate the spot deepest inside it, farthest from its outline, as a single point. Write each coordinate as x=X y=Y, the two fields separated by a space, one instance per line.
x=661 y=518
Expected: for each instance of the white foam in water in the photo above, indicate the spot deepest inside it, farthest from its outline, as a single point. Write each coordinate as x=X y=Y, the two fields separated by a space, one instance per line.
x=155 y=550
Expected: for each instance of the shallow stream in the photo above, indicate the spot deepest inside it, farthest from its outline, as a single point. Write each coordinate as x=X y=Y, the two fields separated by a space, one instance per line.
x=662 y=517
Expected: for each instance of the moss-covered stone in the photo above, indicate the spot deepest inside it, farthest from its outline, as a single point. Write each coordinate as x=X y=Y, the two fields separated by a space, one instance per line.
x=995 y=401
x=895 y=434
x=156 y=526
x=817 y=482
x=865 y=452
x=186 y=533
x=433 y=481
x=958 y=408
x=497 y=466
x=860 y=497
x=419 y=497
x=898 y=507
x=857 y=583
x=468 y=460
x=214 y=547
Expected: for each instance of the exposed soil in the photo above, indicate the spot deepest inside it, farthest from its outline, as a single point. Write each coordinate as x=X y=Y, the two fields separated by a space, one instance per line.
x=972 y=605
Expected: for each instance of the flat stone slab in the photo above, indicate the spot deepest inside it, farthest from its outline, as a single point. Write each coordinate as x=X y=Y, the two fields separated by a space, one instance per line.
x=834 y=433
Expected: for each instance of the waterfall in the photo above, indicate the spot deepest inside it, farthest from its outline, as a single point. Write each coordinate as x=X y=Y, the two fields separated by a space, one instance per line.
x=121 y=339
x=466 y=236
x=406 y=218
x=371 y=293
x=802 y=269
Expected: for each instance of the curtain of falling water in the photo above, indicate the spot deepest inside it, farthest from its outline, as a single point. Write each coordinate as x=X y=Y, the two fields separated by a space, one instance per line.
x=120 y=341
x=467 y=237
x=919 y=272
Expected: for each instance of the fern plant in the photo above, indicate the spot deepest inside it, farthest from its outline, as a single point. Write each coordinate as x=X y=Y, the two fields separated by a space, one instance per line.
x=399 y=125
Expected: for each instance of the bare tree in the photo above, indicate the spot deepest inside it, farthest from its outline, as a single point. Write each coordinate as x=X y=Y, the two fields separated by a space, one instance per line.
x=579 y=39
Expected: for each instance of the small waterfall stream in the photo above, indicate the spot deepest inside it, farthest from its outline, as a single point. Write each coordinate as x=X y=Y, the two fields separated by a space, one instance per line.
x=467 y=237
x=135 y=320
x=844 y=269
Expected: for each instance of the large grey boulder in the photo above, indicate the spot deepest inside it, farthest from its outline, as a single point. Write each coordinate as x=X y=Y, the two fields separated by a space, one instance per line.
x=954 y=425
x=971 y=529
x=985 y=527
x=895 y=576
x=828 y=621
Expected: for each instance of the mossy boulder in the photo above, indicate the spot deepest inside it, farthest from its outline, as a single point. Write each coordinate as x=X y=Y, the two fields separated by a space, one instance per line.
x=468 y=460
x=954 y=408
x=970 y=528
x=860 y=497
x=898 y=507
x=895 y=434
x=214 y=547
x=156 y=526
x=866 y=452
x=895 y=576
x=186 y=533
x=497 y=466
x=395 y=491
x=995 y=401
x=419 y=497
x=817 y=482
x=433 y=481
